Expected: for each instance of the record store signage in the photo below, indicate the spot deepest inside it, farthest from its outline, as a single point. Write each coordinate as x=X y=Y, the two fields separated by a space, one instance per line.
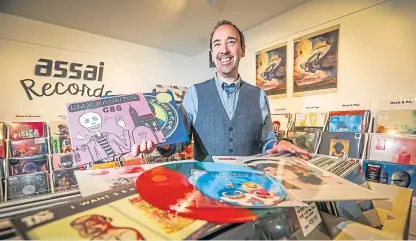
x=59 y=73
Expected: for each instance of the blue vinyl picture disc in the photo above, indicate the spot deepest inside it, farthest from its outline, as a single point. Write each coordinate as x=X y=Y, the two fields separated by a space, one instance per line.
x=241 y=188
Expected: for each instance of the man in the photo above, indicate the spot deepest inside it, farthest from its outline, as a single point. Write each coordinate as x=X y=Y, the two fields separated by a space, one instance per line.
x=225 y=115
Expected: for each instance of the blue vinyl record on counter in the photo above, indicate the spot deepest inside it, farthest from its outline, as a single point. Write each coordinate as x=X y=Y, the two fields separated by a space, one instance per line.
x=241 y=188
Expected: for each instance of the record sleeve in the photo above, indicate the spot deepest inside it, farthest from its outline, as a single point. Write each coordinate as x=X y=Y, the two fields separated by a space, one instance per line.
x=280 y=122
x=26 y=130
x=396 y=121
x=118 y=214
x=399 y=149
x=305 y=181
x=167 y=115
x=307 y=141
x=58 y=128
x=107 y=128
x=62 y=161
x=60 y=144
x=349 y=121
x=64 y=180
x=342 y=144
x=310 y=121
x=391 y=173
x=3 y=132
x=3 y=149
x=24 y=186
x=27 y=165
x=29 y=147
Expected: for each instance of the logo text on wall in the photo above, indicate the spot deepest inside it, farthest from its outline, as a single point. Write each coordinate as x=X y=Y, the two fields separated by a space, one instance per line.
x=65 y=70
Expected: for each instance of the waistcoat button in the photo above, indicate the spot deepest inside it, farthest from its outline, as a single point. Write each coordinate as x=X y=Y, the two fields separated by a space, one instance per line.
x=231 y=139
x=231 y=150
x=230 y=129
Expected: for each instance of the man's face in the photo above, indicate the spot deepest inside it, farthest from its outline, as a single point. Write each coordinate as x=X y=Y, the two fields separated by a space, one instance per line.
x=226 y=50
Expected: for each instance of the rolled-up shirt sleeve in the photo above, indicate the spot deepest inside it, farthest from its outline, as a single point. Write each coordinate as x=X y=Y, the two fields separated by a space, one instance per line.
x=268 y=137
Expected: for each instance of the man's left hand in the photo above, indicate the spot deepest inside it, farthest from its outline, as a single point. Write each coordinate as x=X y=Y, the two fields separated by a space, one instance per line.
x=287 y=146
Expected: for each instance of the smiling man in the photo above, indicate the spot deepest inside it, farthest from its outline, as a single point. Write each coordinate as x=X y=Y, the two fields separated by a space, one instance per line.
x=225 y=115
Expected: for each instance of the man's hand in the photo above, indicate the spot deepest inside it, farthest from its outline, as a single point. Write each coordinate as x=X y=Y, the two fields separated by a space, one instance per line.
x=287 y=146
x=146 y=147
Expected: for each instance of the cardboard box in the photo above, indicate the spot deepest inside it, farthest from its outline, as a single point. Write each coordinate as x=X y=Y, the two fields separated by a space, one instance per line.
x=392 y=214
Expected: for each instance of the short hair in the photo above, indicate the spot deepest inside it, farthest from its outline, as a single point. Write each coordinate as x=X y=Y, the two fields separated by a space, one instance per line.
x=226 y=22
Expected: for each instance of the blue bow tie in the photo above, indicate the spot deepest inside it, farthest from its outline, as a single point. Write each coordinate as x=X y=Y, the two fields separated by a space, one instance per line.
x=228 y=88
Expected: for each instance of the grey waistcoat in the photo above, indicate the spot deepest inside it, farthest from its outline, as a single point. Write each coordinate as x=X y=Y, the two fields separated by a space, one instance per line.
x=215 y=134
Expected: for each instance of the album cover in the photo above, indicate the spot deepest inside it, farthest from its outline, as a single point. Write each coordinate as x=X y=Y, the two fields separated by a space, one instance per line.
x=27 y=165
x=26 y=130
x=342 y=144
x=280 y=123
x=60 y=144
x=29 y=147
x=3 y=133
x=24 y=186
x=167 y=114
x=349 y=121
x=396 y=121
x=305 y=140
x=178 y=91
x=303 y=180
x=324 y=161
x=390 y=173
x=3 y=149
x=118 y=214
x=393 y=148
x=3 y=167
x=310 y=121
x=64 y=180
x=62 y=161
x=107 y=128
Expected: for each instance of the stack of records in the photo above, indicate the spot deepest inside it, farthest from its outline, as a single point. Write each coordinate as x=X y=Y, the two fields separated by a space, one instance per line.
x=349 y=169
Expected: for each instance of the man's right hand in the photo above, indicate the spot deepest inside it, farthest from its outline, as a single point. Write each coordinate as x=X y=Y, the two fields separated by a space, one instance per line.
x=146 y=147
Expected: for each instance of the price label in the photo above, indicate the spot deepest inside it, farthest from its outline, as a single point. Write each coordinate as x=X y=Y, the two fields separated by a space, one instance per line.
x=309 y=217
x=280 y=110
x=62 y=117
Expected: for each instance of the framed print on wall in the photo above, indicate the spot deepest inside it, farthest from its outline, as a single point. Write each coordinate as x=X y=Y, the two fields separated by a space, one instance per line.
x=316 y=63
x=271 y=70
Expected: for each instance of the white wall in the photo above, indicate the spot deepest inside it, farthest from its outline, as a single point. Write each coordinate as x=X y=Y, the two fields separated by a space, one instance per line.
x=128 y=67
x=376 y=49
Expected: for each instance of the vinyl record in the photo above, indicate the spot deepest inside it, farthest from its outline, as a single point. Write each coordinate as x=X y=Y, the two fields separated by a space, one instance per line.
x=239 y=188
x=169 y=187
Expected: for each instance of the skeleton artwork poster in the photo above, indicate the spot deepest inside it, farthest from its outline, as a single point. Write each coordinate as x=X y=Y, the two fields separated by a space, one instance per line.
x=271 y=70
x=105 y=129
x=316 y=63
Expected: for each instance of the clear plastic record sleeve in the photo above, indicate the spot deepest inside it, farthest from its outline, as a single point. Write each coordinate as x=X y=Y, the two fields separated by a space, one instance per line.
x=342 y=144
x=29 y=185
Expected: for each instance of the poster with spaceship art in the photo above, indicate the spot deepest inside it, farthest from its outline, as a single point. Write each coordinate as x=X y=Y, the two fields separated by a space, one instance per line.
x=316 y=63
x=271 y=70
x=105 y=129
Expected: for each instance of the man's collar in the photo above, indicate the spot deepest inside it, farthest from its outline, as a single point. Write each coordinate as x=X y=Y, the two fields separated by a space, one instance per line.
x=220 y=82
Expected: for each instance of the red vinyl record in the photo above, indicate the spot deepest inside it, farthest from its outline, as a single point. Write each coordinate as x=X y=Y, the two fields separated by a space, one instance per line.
x=167 y=188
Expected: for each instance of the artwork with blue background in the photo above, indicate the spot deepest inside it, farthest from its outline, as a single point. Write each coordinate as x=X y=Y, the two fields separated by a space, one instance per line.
x=241 y=188
x=167 y=114
x=346 y=123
